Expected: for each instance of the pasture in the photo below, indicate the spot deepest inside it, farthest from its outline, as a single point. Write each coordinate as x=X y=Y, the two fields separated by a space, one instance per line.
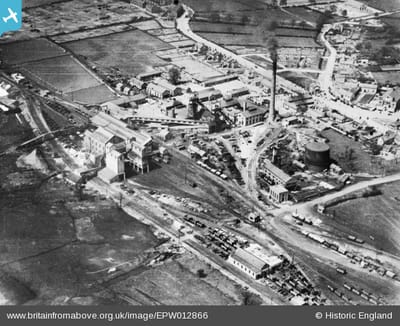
x=63 y=73
x=132 y=52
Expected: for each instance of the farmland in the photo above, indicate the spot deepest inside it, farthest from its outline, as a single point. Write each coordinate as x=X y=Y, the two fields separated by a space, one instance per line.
x=26 y=51
x=223 y=5
x=120 y=51
x=63 y=73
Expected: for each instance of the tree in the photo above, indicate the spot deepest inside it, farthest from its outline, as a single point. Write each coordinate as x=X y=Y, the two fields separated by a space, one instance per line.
x=229 y=18
x=174 y=75
x=344 y=13
x=368 y=46
x=201 y=273
x=283 y=2
x=215 y=17
x=245 y=20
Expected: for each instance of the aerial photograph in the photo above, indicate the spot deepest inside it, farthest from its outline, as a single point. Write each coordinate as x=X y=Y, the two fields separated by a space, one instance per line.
x=200 y=153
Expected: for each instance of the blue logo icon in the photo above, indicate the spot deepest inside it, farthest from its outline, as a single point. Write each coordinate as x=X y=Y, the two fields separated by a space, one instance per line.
x=10 y=15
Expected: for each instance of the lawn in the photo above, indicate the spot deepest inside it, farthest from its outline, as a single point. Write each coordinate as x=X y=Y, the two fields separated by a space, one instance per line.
x=133 y=52
x=25 y=51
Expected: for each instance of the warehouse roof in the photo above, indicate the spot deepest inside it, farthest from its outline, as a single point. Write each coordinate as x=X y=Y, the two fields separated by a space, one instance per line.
x=119 y=128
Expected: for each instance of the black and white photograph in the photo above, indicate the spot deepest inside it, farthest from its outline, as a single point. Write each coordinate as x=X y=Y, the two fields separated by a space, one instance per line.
x=200 y=153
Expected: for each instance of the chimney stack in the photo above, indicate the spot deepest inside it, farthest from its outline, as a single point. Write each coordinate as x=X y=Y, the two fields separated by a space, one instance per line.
x=273 y=91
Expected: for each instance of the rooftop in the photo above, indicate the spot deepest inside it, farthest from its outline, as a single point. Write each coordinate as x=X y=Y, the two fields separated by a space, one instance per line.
x=281 y=175
x=119 y=128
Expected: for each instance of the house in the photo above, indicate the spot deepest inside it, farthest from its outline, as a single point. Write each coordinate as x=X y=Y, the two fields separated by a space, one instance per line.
x=145 y=77
x=219 y=80
x=139 y=84
x=290 y=121
x=157 y=91
x=254 y=261
x=165 y=135
x=368 y=88
x=174 y=90
x=301 y=102
x=208 y=94
x=278 y=193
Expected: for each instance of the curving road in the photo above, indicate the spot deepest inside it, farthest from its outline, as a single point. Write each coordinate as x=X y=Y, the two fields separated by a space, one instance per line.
x=182 y=24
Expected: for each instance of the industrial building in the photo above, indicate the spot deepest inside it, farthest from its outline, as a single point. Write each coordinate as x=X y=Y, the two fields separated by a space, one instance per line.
x=278 y=193
x=254 y=261
x=317 y=156
x=114 y=141
x=275 y=174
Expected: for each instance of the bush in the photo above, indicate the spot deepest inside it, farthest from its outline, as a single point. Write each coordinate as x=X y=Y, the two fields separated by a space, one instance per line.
x=201 y=273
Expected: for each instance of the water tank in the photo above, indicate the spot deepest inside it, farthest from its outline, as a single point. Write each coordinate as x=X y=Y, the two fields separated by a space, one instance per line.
x=317 y=156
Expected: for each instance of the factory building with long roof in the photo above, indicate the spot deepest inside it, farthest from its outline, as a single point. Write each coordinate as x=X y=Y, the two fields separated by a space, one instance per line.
x=112 y=134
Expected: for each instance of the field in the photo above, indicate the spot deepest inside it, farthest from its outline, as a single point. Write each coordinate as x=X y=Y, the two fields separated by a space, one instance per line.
x=37 y=3
x=385 y=5
x=26 y=51
x=378 y=217
x=92 y=95
x=51 y=240
x=311 y=16
x=63 y=73
x=176 y=283
x=384 y=77
x=360 y=161
x=302 y=79
x=223 y=5
x=132 y=52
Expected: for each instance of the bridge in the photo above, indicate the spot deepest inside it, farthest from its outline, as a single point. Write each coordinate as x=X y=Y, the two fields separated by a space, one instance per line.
x=47 y=136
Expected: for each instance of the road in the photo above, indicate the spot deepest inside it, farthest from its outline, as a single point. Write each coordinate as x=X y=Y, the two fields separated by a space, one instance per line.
x=184 y=27
x=252 y=164
x=325 y=78
x=307 y=206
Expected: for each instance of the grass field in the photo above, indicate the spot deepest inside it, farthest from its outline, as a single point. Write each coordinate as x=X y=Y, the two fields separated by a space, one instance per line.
x=40 y=255
x=92 y=95
x=361 y=161
x=132 y=52
x=385 y=5
x=376 y=216
x=37 y=3
x=63 y=73
x=223 y=5
x=177 y=283
x=27 y=51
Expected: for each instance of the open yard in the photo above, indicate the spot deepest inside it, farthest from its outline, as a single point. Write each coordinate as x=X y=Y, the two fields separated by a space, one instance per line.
x=132 y=52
